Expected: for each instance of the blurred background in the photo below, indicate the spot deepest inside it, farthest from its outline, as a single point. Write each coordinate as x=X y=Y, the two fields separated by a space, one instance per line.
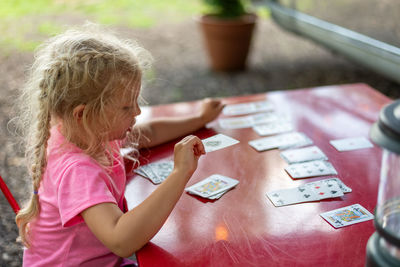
x=279 y=60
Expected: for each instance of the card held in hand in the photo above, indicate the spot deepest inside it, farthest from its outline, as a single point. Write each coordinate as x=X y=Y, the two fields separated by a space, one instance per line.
x=212 y=186
x=347 y=216
x=217 y=142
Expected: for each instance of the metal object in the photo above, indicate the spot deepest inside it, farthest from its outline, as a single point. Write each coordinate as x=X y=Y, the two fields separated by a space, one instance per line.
x=376 y=55
x=383 y=248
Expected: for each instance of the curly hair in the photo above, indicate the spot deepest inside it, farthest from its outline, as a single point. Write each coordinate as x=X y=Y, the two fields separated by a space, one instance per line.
x=78 y=67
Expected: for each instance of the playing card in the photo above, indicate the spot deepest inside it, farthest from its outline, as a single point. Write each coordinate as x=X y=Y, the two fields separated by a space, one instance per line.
x=348 y=144
x=217 y=142
x=347 y=216
x=125 y=151
x=147 y=172
x=281 y=141
x=140 y=172
x=274 y=127
x=212 y=186
x=247 y=108
x=303 y=154
x=325 y=189
x=219 y=195
x=162 y=168
x=342 y=186
x=292 y=196
x=310 y=169
x=247 y=121
x=157 y=171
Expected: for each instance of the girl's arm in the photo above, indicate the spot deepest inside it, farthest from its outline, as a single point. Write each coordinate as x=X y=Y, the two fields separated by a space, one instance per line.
x=162 y=130
x=125 y=233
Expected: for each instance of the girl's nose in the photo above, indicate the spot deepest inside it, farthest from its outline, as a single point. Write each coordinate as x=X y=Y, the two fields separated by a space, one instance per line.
x=138 y=111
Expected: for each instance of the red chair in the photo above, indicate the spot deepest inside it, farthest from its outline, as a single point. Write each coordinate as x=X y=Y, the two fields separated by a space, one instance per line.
x=13 y=203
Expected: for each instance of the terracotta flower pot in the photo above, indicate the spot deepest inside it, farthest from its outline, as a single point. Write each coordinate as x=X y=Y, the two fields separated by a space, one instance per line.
x=228 y=40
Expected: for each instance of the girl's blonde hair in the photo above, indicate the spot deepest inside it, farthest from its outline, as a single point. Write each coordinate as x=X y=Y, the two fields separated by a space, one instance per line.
x=79 y=67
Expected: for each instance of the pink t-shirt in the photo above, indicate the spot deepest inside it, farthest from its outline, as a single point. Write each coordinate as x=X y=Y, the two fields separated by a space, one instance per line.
x=72 y=182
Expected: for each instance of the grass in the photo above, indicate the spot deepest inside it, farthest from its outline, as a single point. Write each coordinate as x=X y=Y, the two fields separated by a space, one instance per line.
x=24 y=24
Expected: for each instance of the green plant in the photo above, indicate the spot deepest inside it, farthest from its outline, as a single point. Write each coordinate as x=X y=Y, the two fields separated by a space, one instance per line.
x=226 y=8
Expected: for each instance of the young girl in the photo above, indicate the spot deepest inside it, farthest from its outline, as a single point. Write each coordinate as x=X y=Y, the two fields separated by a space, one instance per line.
x=80 y=106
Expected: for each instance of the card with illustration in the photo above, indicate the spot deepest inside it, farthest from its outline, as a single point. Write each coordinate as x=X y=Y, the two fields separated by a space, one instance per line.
x=347 y=216
x=212 y=186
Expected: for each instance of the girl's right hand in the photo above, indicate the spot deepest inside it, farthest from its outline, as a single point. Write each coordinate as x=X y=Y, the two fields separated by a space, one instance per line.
x=186 y=155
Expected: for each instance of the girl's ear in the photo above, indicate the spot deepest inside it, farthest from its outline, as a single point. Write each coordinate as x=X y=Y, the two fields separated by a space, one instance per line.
x=78 y=112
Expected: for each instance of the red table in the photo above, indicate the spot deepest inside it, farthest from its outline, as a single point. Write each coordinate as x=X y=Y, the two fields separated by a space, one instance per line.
x=243 y=228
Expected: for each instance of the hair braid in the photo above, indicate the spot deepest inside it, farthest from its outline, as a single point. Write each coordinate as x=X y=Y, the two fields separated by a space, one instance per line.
x=39 y=161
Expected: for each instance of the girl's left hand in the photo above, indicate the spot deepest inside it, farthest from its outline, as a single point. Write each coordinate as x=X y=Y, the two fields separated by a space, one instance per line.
x=211 y=108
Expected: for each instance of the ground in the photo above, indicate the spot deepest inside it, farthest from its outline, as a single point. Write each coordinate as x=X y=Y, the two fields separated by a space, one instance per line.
x=278 y=61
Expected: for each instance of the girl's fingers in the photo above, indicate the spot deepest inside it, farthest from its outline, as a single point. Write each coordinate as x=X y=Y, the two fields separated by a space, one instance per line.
x=196 y=143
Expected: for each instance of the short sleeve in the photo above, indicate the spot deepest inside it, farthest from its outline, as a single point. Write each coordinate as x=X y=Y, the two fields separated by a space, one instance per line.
x=83 y=184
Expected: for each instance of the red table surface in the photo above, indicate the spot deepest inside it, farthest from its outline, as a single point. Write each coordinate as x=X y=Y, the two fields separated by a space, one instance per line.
x=243 y=228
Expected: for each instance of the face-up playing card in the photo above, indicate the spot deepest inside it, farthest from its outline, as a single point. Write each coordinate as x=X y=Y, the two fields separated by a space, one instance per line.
x=310 y=169
x=212 y=186
x=325 y=189
x=247 y=121
x=217 y=142
x=342 y=186
x=247 y=108
x=274 y=127
x=348 y=144
x=347 y=216
x=281 y=141
x=303 y=154
x=292 y=196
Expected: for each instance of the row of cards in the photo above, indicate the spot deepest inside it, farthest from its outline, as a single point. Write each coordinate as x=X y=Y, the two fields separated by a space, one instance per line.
x=298 y=139
x=303 y=161
x=268 y=122
x=318 y=190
